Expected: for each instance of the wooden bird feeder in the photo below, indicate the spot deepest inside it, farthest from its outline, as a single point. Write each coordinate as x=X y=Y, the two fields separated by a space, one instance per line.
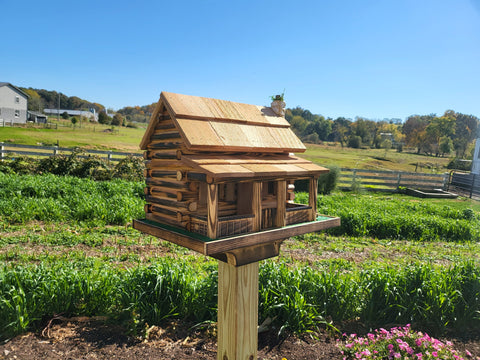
x=220 y=181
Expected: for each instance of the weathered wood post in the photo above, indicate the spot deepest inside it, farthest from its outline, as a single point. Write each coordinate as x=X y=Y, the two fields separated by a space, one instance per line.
x=2 y=149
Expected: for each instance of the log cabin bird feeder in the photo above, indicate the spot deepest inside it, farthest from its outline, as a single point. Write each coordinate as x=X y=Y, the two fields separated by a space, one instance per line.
x=220 y=178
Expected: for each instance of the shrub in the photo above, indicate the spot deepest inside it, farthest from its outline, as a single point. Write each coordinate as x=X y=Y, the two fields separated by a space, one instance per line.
x=130 y=168
x=459 y=164
x=78 y=163
x=355 y=141
x=23 y=165
x=132 y=125
x=326 y=182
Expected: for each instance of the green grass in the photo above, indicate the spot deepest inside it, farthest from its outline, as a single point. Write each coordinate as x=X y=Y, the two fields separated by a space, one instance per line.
x=92 y=136
x=373 y=159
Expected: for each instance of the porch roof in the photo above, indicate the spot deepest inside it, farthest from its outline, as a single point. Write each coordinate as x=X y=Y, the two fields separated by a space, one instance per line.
x=252 y=166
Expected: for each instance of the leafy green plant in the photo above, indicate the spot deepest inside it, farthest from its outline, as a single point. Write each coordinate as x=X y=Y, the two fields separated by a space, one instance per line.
x=392 y=218
x=51 y=198
x=326 y=182
x=280 y=97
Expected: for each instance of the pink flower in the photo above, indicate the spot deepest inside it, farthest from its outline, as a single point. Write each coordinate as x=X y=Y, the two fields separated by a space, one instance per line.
x=366 y=352
x=434 y=354
x=468 y=353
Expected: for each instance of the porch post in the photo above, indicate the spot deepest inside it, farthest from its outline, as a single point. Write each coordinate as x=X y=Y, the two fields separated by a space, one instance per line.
x=257 y=205
x=280 y=219
x=212 y=210
x=312 y=198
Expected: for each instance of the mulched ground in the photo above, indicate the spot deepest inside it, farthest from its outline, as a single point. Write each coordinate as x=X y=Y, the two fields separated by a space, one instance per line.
x=86 y=338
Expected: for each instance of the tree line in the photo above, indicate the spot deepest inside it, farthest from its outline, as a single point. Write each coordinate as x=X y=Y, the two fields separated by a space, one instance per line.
x=429 y=134
x=40 y=99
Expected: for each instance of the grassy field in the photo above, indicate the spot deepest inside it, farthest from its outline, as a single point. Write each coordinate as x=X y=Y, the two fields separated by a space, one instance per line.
x=96 y=136
x=92 y=136
x=374 y=159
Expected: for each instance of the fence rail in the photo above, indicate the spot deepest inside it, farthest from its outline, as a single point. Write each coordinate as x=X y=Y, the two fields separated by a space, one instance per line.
x=381 y=180
x=8 y=150
x=466 y=183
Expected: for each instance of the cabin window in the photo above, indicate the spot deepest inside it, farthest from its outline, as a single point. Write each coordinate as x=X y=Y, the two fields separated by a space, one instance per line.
x=17 y=113
x=269 y=189
x=17 y=99
x=227 y=192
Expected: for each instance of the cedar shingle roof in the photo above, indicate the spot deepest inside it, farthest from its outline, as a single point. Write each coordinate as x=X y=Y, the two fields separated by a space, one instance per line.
x=207 y=124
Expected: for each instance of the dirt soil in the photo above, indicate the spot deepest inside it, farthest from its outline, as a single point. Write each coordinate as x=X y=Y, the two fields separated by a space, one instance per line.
x=87 y=338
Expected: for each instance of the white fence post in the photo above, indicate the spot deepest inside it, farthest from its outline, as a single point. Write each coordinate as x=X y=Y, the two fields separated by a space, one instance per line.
x=2 y=149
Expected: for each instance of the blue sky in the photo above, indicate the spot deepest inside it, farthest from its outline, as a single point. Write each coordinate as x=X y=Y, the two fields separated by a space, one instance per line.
x=372 y=58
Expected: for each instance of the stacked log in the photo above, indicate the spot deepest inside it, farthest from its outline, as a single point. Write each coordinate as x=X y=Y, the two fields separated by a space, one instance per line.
x=171 y=197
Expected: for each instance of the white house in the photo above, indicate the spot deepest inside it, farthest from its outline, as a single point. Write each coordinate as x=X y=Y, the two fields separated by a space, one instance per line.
x=476 y=158
x=13 y=104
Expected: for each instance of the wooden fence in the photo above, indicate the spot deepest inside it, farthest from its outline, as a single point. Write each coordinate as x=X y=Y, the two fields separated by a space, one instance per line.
x=380 y=180
x=467 y=184
x=8 y=151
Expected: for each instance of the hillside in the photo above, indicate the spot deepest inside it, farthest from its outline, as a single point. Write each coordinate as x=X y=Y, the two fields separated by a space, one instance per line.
x=50 y=99
x=96 y=136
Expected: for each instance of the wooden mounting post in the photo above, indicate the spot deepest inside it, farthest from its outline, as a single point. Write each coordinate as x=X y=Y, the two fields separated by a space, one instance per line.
x=237 y=311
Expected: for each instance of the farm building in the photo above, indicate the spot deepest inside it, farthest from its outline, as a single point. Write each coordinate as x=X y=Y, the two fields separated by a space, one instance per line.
x=92 y=115
x=37 y=117
x=13 y=104
x=219 y=168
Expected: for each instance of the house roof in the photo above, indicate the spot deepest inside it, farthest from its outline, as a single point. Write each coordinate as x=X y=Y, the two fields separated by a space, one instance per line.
x=207 y=124
x=37 y=114
x=15 y=88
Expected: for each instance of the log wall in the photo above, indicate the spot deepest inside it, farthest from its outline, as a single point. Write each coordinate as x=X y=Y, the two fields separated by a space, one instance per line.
x=171 y=197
